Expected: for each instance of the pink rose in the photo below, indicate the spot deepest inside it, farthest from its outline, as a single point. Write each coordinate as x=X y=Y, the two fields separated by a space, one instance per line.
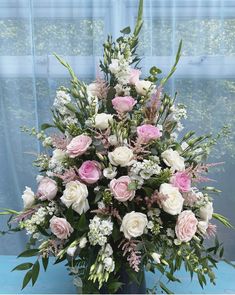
x=186 y=226
x=134 y=76
x=181 y=180
x=119 y=188
x=60 y=227
x=47 y=189
x=78 y=145
x=90 y=171
x=148 y=132
x=123 y=104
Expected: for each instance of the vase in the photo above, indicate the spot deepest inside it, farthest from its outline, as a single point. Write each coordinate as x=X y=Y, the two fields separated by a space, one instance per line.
x=129 y=287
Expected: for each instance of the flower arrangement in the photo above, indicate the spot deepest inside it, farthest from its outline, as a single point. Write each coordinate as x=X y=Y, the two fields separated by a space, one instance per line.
x=117 y=188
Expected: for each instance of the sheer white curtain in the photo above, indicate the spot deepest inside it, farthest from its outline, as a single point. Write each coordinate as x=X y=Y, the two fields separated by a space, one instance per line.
x=31 y=30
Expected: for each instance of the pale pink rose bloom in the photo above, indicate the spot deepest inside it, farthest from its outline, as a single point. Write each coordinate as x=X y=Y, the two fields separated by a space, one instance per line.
x=90 y=171
x=134 y=76
x=47 y=189
x=181 y=180
x=123 y=104
x=119 y=189
x=78 y=145
x=148 y=132
x=186 y=226
x=60 y=227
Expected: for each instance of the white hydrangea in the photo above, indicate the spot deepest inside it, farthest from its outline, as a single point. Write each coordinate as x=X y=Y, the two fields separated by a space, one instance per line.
x=100 y=229
x=144 y=170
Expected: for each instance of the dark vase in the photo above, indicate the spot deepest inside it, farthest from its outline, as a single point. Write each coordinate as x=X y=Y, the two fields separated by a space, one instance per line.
x=128 y=287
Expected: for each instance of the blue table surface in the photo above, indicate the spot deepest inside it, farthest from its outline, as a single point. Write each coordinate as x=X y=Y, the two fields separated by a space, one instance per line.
x=57 y=281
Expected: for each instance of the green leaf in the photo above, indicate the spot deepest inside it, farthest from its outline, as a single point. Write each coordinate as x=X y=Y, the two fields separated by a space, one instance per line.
x=132 y=186
x=23 y=266
x=165 y=289
x=29 y=253
x=223 y=220
x=27 y=279
x=35 y=272
x=126 y=30
x=114 y=287
x=46 y=126
x=82 y=223
x=45 y=261
x=69 y=214
x=139 y=21
x=173 y=69
x=8 y=211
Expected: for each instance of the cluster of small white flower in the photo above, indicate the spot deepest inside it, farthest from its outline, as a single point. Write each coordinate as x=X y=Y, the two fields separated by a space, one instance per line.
x=178 y=112
x=61 y=100
x=144 y=170
x=56 y=161
x=38 y=218
x=47 y=142
x=99 y=230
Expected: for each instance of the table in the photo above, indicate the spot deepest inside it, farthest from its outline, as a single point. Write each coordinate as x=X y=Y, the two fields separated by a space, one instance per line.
x=57 y=281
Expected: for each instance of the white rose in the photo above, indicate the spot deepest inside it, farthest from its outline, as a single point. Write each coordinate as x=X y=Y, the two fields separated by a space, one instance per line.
x=83 y=242
x=110 y=172
x=114 y=66
x=142 y=87
x=206 y=211
x=28 y=197
x=173 y=160
x=174 y=203
x=109 y=264
x=76 y=194
x=102 y=120
x=156 y=257
x=121 y=156
x=71 y=251
x=202 y=227
x=133 y=224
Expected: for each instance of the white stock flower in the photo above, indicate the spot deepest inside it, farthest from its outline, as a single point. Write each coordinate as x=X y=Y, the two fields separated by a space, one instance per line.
x=110 y=172
x=173 y=160
x=143 y=87
x=133 y=224
x=114 y=66
x=76 y=194
x=156 y=257
x=102 y=121
x=121 y=156
x=206 y=211
x=83 y=242
x=28 y=197
x=174 y=202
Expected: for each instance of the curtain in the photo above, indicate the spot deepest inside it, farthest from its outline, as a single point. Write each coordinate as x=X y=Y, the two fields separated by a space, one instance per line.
x=31 y=30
